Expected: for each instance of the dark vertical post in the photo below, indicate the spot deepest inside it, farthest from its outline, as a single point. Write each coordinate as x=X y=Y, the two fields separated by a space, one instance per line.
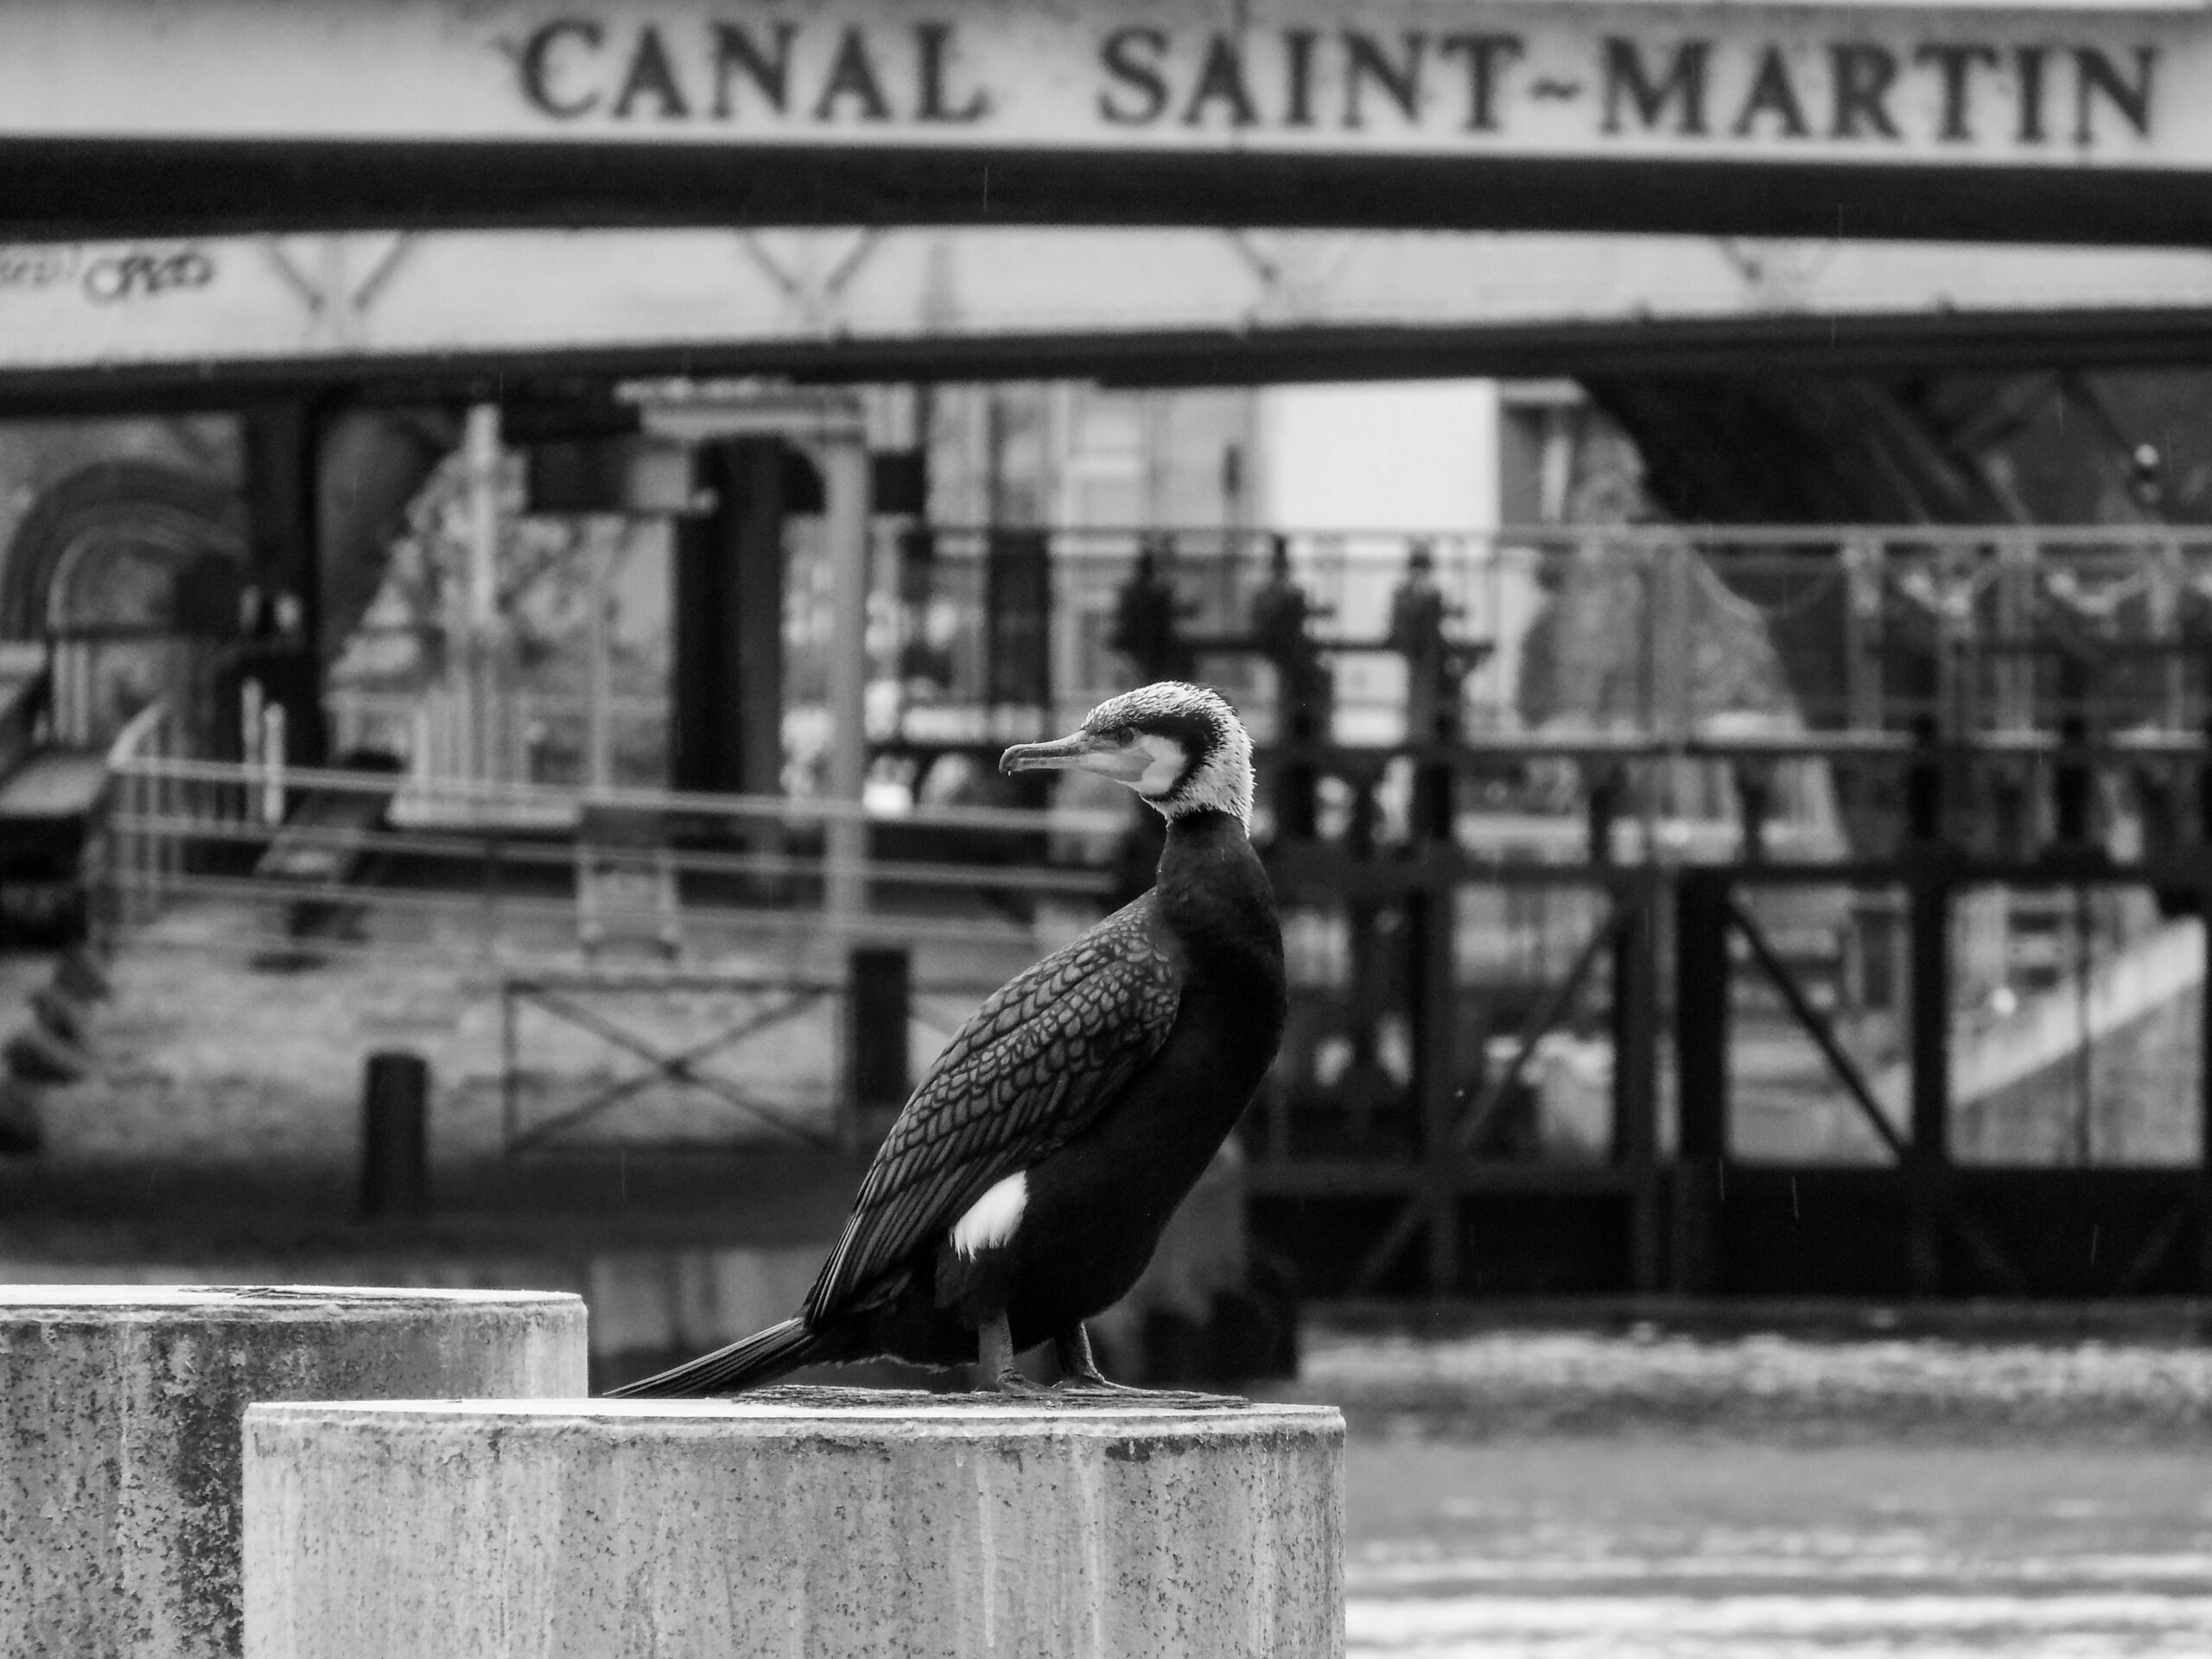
x=396 y=1134
x=1755 y=806
x=1435 y=1005
x=1928 y=897
x=1018 y=634
x=1281 y=626
x=758 y=569
x=2200 y=836
x=1923 y=789
x=699 y=579
x=1636 y=1069
x=1928 y=927
x=1017 y=618
x=282 y=442
x=882 y=993
x=2204 y=1092
x=728 y=672
x=1602 y=805
x=1635 y=1032
x=510 y=1062
x=1701 y=997
x=2072 y=784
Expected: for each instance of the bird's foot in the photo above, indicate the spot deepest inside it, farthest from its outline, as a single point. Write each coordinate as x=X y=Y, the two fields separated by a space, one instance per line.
x=1091 y=1384
x=1012 y=1381
x=1092 y=1381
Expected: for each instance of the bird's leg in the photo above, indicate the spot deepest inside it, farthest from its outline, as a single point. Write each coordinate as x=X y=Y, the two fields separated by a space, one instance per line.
x=994 y=1359
x=1079 y=1372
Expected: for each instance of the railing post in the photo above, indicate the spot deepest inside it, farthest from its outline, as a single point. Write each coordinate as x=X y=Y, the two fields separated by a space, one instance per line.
x=1862 y=563
x=1928 y=925
x=599 y=684
x=1701 y=998
x=1928 y=896
x=485 y=756
x=273 y=764
x=845 y=888
x=1430 y=911
x=1636 y=1067
x=880 y=1000
x=2204 y=1085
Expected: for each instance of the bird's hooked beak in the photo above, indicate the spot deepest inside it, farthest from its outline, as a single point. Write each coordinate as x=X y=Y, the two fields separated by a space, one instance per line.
x=1079 y=751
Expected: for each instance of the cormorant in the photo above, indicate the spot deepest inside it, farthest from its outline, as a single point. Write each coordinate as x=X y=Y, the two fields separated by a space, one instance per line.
x=1024 y=1184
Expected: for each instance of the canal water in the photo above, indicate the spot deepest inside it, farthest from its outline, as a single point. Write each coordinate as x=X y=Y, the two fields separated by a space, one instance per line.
x=1568 y=1497
x=1677 y=1547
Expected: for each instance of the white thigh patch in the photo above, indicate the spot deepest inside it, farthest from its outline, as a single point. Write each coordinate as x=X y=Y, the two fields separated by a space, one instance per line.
x=990 y=1220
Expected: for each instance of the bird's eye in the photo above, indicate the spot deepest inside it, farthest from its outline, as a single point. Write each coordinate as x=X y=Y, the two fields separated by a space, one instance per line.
x=1125 y=737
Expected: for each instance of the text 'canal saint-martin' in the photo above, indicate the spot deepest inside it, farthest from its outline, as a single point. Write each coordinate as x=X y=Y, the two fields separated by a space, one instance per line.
x=1943 y=84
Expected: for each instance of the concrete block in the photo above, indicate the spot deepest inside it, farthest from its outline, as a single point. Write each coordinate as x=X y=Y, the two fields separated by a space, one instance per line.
x=119 y=1496
x=794 y=1522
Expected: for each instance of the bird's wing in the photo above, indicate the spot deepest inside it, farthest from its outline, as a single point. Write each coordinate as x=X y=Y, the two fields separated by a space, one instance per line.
x=1034 y=1063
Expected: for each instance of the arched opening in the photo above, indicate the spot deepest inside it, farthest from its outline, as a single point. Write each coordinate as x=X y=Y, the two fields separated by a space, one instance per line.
x=131 y=572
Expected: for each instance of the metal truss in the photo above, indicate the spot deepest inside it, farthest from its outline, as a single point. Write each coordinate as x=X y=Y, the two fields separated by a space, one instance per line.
x=1157 y=303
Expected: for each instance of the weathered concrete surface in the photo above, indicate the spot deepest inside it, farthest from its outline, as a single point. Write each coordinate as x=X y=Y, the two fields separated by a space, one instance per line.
x=119 y=1511
x=794 y=1524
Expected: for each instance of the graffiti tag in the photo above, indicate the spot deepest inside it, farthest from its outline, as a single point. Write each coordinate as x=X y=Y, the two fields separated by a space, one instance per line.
x=24 y=269
x=146 y=274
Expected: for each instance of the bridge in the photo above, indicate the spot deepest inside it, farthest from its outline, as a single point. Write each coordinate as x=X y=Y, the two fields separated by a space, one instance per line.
x=1921 y=122
x=208 y=320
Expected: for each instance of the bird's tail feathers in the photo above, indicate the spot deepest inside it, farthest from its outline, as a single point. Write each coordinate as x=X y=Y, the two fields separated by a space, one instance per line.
x=761 y=1357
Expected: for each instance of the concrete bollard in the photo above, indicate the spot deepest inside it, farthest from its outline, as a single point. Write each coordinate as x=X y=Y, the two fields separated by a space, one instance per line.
x=119 y=1510
x=797 y=1522
x=396 y=1134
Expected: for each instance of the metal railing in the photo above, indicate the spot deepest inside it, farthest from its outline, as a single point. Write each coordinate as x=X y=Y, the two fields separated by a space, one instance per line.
x=1605 y=640
x=454 y=864
x=133 y=875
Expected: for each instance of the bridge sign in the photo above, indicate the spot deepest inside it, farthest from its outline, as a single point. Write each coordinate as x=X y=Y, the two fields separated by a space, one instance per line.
x=1439 y=79
x=1280 y=111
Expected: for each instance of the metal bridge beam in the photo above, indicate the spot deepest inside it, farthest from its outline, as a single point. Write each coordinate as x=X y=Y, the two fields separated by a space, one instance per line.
x=200 y=319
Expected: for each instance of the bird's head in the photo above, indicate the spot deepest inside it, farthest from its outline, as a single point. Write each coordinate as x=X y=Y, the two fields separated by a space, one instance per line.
x=1181 y=746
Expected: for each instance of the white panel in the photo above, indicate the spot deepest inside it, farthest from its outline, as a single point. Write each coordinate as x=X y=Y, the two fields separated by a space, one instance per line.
x=1394 y=457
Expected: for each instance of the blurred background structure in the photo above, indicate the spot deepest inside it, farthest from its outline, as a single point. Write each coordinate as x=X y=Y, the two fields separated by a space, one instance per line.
x=525 y=566
x=524 y=527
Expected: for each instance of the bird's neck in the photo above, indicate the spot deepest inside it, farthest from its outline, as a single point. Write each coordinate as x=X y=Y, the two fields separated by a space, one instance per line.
x=1201 y=836
x=1211 y=889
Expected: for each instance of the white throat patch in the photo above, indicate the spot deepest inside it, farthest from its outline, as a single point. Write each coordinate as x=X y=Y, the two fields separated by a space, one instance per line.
x=990 y=1220
x=1166 y=767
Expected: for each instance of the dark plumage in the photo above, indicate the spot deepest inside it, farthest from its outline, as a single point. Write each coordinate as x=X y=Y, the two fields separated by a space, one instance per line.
x=1027 y=1181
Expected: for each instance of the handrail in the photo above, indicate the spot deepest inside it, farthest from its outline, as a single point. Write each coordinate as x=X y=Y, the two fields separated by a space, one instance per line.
x=754 y=925
x=173 y=814
x=951 y=537
x=128 y=746
x=775 y=808
x=898 y=872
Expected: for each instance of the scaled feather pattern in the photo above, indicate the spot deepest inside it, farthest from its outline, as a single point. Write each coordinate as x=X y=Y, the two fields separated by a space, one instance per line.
x=1028 y=1070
